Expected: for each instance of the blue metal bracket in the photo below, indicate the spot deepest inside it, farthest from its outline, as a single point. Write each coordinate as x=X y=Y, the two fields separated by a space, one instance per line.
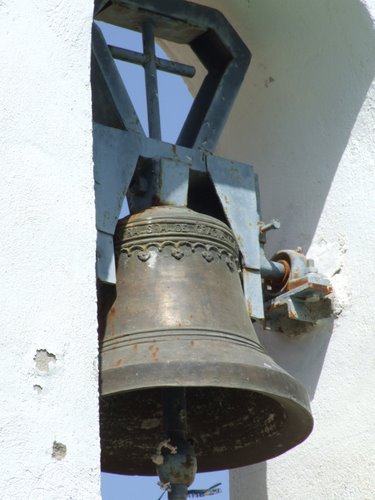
x=115 y=158
x=149 y=171
x=174 y=183
x=236 y=186
x=122 y=152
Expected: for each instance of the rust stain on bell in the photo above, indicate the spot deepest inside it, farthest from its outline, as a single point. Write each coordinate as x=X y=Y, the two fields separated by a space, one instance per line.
x=184 y=307
x=154 y=352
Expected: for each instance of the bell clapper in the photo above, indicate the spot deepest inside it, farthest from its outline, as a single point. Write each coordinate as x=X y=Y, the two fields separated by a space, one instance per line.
x=175 y=459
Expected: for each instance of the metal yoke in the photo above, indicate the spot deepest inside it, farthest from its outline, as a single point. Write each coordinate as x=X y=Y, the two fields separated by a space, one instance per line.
x=158 y=171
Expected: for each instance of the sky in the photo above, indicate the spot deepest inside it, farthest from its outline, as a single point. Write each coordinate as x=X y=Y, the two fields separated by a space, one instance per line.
x=175 y=101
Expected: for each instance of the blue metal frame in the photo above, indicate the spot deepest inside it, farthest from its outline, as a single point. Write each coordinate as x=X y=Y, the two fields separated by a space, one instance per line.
x=151 y=171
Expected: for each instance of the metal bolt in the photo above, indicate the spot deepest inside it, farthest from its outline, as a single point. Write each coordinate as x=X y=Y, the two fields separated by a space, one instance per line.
x=273 y=224
x=310 y=264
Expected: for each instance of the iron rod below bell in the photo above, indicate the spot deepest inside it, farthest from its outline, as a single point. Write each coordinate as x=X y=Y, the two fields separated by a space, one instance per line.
x=174 y=408
x=178 y=492
x=179 y=466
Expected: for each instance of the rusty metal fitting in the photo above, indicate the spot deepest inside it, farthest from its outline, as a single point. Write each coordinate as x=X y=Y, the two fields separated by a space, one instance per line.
x=178 y=469
x=301 y=294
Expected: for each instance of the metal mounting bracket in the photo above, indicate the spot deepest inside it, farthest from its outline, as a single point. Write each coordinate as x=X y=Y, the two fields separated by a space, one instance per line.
x=122 y=148
x=301 y=295
x=149 y=171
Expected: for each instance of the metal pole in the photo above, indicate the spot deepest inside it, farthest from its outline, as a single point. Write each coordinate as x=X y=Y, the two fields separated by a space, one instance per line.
x=178 y=492
x=152 y=93
x=178 y=467
x=174 y=402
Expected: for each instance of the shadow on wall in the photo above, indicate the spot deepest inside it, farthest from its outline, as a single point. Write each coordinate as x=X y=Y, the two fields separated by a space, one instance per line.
x=312 y=66
x=301 y=355
x=256 y=476
x=313 y=63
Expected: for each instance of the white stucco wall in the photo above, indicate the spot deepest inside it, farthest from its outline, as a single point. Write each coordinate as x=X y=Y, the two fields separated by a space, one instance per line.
x=305 y=119
x=48 y=358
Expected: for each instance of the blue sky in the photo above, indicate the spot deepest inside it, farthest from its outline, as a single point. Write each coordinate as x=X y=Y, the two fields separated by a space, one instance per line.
x=175 y=102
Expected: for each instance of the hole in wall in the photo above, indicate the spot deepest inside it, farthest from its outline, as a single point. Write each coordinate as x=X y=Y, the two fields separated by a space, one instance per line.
x=58 y=450
x=44 y=359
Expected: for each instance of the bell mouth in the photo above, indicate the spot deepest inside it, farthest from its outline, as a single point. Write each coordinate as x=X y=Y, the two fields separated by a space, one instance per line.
x=255 y=415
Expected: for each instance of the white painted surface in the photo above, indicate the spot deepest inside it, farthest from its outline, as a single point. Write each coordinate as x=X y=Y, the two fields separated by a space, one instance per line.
x=48 y=299
x=305 y=119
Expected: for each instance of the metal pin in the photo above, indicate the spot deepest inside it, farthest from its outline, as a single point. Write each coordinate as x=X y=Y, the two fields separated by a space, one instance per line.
x=273 y=224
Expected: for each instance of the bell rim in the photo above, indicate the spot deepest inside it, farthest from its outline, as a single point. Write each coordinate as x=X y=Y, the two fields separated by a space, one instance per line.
x=162 y=369
x=282 y=388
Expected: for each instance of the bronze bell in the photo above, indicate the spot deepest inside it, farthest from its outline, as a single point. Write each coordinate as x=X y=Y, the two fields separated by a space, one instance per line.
x=180 y=320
